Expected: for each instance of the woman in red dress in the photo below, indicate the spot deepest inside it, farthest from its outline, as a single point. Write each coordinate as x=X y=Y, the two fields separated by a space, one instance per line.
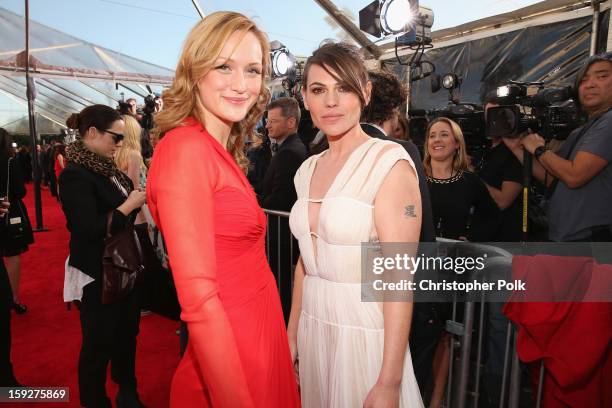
x=198 y=194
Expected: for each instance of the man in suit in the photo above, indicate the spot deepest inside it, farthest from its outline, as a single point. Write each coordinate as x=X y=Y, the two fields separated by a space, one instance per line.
x=278 y=193
x=288 y=153
x=379 y=119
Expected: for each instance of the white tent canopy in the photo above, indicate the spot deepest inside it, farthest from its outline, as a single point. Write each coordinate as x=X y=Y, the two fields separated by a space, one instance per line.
x=69 y=74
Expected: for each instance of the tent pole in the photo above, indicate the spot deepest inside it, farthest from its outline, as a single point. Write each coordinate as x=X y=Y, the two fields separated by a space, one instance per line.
x=595 y=28
x=32 y=119
x=408 y=89
x=609 y=46
x=198 y=9
x=347 y=25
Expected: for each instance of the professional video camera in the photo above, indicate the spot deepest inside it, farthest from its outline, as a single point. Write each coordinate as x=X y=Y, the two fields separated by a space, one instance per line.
x=123 y=107
x=150 y=106
x=550 y=112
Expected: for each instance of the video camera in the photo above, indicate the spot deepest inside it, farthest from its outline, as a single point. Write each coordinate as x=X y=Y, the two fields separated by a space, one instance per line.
x=150 y=107
x=551 y=112
x=123 y=107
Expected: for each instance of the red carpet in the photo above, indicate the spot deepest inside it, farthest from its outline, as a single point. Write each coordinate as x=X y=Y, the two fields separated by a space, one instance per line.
x=47 y=339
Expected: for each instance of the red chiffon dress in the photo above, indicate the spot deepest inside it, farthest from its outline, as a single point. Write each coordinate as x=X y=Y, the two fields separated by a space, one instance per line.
x=238 y=354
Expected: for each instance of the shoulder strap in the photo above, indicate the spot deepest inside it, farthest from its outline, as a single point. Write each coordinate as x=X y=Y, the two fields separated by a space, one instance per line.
x=585 y=128
x=380 y=170
x=8 y=176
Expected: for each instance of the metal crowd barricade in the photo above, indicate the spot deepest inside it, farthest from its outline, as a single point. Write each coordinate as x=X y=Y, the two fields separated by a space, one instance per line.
x=466 y=389
x=278 y=241
x=466 y=369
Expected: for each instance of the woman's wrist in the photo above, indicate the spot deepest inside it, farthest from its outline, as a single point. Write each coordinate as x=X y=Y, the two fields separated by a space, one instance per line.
x=125 y=209
x=390 y=378
x=389 y=382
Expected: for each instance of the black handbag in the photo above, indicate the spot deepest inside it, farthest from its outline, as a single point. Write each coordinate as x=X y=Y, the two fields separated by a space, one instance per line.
x=122 y=264
x=13 y=225
x=158 y=286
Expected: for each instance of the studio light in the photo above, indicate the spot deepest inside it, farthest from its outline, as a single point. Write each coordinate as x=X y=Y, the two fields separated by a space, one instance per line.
x=283 y=62
x=450 y=81
x=405 y=19
x=397 y=16
x=503 y=91
x=512 y=91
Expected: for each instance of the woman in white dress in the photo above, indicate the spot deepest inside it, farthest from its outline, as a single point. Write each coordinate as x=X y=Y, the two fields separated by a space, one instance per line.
x=351 y=353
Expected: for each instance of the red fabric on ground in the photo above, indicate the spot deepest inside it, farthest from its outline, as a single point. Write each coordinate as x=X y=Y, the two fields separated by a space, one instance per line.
x=47 y=339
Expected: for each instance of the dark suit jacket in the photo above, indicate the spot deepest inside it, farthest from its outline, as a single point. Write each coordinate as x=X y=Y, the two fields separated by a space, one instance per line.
x=428 y=232
x=278 y=188
x=87 y=199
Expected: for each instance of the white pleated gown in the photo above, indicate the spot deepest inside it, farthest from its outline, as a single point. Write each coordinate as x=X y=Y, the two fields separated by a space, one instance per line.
x=340 y=338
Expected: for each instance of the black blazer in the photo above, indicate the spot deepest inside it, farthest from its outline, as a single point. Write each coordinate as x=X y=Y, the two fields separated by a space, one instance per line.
x=87 y=199
x=278 y=188
x=428 y=232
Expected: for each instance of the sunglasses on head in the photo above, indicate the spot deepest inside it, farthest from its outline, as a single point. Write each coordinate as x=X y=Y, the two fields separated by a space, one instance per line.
x=117 y=137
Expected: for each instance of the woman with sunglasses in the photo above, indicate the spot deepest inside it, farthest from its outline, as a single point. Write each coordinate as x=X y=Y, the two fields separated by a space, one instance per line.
x=96 y=196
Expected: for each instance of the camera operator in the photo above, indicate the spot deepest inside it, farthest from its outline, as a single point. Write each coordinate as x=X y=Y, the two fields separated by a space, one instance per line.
x=153 y=104
x=133 y=107
x=502 y=174
x=579 y=175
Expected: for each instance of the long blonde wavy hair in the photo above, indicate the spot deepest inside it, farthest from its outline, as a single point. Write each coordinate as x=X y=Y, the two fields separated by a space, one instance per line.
x=460 y=160
x=202 y=47
x=130 y=144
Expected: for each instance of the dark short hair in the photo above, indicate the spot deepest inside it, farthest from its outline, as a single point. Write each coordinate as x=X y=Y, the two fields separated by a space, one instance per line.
x=603 y=57
x=388 y=94
x=289 y=108
x=99 y=116
x=345 y=62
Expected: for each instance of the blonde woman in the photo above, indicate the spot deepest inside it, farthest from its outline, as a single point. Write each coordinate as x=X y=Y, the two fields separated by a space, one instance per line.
x=457 y=197
x=129 y=157
x=456 y=193
x=199 y=196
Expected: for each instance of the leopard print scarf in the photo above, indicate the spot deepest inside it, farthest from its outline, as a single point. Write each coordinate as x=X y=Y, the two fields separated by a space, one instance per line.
x=76 y=152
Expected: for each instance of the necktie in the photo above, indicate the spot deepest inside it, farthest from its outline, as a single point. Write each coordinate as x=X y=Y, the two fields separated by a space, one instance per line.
x=274 y=147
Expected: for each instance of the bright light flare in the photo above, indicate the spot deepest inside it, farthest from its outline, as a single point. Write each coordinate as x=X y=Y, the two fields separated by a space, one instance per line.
x=396 y=16
x=281 y=63
x=503 y=91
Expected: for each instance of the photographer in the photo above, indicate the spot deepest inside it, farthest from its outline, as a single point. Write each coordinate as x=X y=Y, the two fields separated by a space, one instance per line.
x=502 y=174
x=153 y=104
x=133 y=107
x=579 y=175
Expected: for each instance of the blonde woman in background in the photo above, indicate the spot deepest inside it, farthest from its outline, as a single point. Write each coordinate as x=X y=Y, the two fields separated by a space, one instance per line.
x=129 y=157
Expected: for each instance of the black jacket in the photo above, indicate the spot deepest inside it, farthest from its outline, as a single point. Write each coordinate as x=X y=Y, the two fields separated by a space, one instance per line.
x=278 y=187
x=17 y=191
x=87 y=199
x=428 y=232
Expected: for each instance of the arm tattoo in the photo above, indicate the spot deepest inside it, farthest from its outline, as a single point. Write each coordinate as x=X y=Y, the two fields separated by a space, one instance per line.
x=409 y=211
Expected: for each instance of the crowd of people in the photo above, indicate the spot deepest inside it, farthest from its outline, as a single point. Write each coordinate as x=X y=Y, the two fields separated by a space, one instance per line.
x=290 y=329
